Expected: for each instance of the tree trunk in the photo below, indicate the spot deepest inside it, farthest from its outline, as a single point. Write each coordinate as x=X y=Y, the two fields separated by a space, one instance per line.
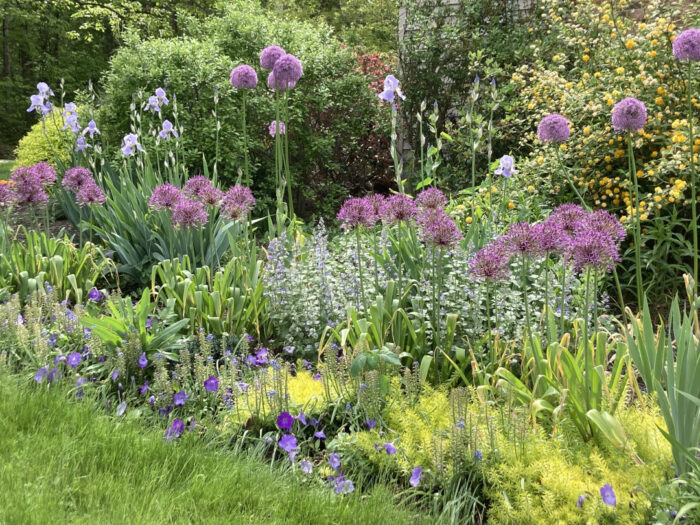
x=6 y=58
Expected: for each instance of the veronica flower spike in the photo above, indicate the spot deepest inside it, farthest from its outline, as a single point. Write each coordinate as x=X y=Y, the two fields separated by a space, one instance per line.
x=391 y=89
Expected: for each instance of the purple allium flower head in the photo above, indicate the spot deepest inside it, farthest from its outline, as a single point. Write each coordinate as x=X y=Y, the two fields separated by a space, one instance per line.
x=273 y=127
x=399 y=208
x=27 y=186
x=391 y=89
x=416 y=476
x=376 y=201
x=179 y=398
x=238 y=202
x=41 y=374
x=143 y=360
x=306 y=466
x=356 y=212
x=269 y=56
x=285 y=420
x=41 y=173
x=189 y=214
x=568 y=217
x=75 y=178
x=95 y=295
x=506 y=166
x=288 y=443
x=130 y=144
x=629 y=114
x=553 y=128
x=196 y=187
x=287 y=72
x=175 y=430
x=91 y=129
x=520 y=239
x=244 y=77
x=334 y=460
x=593 y=249
x=168 y=129
x=431 y=198
x=550 y=236
x=89 y=194
x=390 y=448
x=438 y=229
x=490 y=264
x=212 y=197
x=211 y=384
x=165 y=197
x=73 y=359
x=608 y=495
x=7 y=196
x=686 y=46
x=81 y=145
x=606 y=222
x=580 y=501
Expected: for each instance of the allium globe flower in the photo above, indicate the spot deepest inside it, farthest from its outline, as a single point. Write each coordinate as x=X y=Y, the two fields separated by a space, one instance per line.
x=287 y=72
x=356 y=212
x=520 y=239
x=238 y=201
x=165 y=197
x=197 y=187
x=27 y=186
x=686 y=46
x=45 y=173
x=7 y=196
x=629 y=114
x=189 y=214
x=553 y=128
x=568 y=217
x=431 y=198
x=550 y=237
x=592 y=249
x=490 y=264
x=270 y=55
x=212 y=196
x=89 y=194
x=274 y=126
x=606 y=222
x=398 y=208
x=376 y=201
x=244 y=77
x=439 y=230
x=74 y=178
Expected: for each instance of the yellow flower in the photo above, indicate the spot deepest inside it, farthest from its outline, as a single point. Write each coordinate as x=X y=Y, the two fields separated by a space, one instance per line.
x=469 y=220
x=531 y=189
x=659 y=101
x=585 y=58
x=630 y=44
x=587 y=130
x=511 y=205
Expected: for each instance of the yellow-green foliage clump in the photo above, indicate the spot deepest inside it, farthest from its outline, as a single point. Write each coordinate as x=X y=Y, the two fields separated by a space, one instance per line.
x=530 y=476
x=45 y=146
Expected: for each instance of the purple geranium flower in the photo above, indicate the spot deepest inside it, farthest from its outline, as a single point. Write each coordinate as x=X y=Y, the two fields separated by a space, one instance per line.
x=285 y=420
x=179 y=398
x=416 y=476
x=608 y=495
x=211 y=384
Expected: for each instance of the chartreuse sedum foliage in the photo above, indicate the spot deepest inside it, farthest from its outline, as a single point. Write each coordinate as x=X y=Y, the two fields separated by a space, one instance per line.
x=530 y=476
x=71 y=271
x=46 y=141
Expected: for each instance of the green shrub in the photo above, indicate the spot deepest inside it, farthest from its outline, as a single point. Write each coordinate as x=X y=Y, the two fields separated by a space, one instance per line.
x=331 y=107
x=46 y=141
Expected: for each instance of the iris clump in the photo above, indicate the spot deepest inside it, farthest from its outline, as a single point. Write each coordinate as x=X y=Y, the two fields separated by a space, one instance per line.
x=553 y=128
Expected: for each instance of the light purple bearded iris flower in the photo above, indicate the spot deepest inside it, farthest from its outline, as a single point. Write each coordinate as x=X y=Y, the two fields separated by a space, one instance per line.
x=391 y=89
x=168 y=129
x=91 y=129
x=130 y=144
x=506 y=166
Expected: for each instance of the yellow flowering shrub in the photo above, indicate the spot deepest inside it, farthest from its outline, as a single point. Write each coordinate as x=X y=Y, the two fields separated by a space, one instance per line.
x=590 y=56
x=44 y=142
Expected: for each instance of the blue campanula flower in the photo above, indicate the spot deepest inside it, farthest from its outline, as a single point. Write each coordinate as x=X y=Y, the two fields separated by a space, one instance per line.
x=143 y=360
x=320 y=435
x=211 y=384
x=95 y=295
x=390 y=448
x=144 y=388
x=175 y=430
x=121 y=408
x=179 y=398
x=288 y=443
x=334 y=460
x=608 y=495
x=73 y=359
x=306 y=466
x=478 y=456
x=416 y=476
x=41 y=374
x=285 y=420
x=371 y=423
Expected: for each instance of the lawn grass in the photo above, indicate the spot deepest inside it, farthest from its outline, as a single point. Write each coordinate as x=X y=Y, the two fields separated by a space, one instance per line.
x=63 y=462
x=5 y=169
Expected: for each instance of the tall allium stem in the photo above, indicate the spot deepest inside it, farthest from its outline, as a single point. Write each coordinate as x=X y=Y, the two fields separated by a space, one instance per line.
x=376 y=264
x=528 y=321
x=394 y=151
x=472 y=141
x=359 y=269
x=637 y=222
x=490 y=341
x=546 y=284
x=246 y=169
x=693 y=175
x=216 y=119
x=565 y=172
x=562 y=299
x=285 y=141
x=586 y=354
